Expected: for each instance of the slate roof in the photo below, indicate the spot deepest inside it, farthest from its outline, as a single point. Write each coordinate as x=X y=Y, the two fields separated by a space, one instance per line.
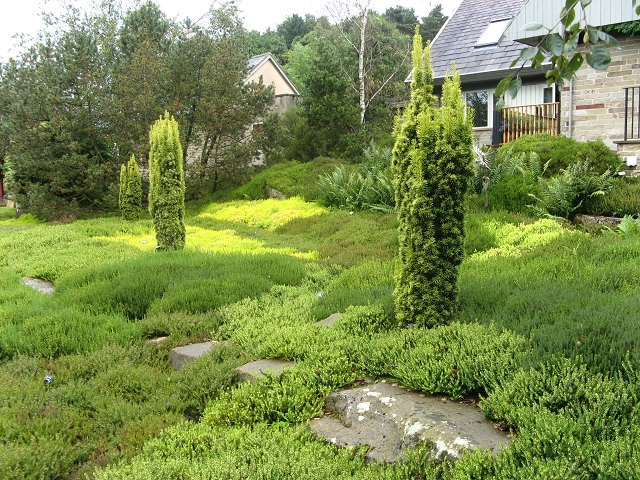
x=456 y=42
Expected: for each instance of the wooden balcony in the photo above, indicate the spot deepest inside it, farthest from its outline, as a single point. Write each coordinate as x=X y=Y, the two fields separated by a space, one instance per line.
x=529 y=119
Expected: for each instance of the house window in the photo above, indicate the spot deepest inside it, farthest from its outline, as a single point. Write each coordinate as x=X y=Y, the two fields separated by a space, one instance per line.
x=479 y=101
x=493 y=33
x=547 y=95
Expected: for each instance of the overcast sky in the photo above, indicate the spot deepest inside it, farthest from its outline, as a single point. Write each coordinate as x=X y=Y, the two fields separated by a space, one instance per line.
x=22 y=16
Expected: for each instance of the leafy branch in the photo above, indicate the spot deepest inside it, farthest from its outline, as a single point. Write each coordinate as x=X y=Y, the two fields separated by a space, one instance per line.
x=559 y=51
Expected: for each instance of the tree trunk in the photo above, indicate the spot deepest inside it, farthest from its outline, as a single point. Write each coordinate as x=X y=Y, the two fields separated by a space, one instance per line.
x=363 y=31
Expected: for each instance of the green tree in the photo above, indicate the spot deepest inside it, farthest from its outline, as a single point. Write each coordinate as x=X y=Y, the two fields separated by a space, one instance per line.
x=58 y=96
x=405 y=19
x=432 y=23
x=269 y=41
x=295 y=27
x=166 y=184
x=130 y=199
x=328 y=111
x=432 y=163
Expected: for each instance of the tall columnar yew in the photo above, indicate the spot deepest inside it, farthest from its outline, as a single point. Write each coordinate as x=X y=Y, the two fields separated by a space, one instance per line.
x=130 y=199
x=166 y=184
x=432 y=162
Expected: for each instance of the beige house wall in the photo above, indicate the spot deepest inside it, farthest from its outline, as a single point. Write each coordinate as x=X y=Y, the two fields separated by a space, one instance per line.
x=271 y=76
x=598 y=96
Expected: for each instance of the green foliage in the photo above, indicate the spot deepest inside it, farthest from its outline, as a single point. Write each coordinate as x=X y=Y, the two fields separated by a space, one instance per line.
x=166 y=189
x=570 y=293
x=628 y=226
x=130 y=199
x=563 y=195
x=431 y=24
x=207 y=377
x=99 y=407
x=328 y=112
x=182 y=282
x=260 y=451
x=623 y=199
x=560 y=50
x=432 y=165
x=560 y=152
x=291 y=178
x=352 y=190
x=457 y=359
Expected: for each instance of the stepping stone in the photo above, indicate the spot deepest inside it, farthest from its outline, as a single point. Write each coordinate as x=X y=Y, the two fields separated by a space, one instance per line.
x=390 y=419
x=330 y=320
x=40 y=285
x=180 y=356
x=157 y=340
x=253 y=370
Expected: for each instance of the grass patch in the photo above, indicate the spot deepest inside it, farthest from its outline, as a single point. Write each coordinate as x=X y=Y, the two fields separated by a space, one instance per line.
x=547 y=337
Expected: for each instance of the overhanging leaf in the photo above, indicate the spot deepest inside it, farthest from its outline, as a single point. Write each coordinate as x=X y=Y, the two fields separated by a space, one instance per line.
x=514 y=87
x=502 y=86
x=528 y=53
x=598 y=58
x=605 y=37
x=571 y=44
x=532 y=26
x=555 y=44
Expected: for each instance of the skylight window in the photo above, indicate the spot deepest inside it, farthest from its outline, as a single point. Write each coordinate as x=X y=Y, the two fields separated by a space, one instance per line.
x=493 y=33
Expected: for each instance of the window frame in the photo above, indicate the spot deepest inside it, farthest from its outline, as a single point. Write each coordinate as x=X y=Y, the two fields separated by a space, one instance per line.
x=496 y=27
x=490 y=106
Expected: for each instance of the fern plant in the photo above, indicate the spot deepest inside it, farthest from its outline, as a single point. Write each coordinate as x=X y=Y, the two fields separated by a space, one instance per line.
x=562 y=196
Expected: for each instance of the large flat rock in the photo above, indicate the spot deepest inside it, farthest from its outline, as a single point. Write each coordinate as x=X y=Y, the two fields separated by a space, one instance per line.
x=390 y=419
x=40 y=285
x=180 y=356
x=329 y=321
x=258 y=368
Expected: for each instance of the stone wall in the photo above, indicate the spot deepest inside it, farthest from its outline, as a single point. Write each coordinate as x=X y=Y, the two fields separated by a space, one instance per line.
x=598 y=97
x=483 y=135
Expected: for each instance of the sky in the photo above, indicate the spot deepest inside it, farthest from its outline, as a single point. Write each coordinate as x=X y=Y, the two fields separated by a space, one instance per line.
x=22 y=16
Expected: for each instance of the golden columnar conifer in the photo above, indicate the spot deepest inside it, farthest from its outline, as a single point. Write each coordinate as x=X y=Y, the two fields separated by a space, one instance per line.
x=130 y=199
x=432 y=163
x=166 y=184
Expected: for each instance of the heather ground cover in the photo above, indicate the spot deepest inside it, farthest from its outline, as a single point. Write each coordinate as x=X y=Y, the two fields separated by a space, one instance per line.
x=546 y=336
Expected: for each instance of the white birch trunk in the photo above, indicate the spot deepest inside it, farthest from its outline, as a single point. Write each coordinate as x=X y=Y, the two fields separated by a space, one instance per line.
x=363 y=31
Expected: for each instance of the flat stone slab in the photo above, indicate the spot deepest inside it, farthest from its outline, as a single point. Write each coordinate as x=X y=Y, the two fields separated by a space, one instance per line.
x=330 y=320
x=40 y=285
x=256 y=369
x=390 y=419
x=180 y=356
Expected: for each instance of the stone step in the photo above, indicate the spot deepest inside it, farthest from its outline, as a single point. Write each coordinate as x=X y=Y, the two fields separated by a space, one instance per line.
x=180 y=356
x=40 y=285
x=390 y=419
x=330 y=320
x=256 y=369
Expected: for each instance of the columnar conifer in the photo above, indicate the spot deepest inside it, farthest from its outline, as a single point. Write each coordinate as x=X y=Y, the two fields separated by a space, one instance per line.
x=166 y=183
x=432 y=164
x=130 y=199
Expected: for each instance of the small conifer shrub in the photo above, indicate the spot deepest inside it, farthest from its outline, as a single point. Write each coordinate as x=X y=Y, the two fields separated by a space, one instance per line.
x=432 y=163
x=166 y=184
x=130 y=199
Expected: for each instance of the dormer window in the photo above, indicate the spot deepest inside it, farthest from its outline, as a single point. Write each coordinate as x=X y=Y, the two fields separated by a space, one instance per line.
x=493 y=33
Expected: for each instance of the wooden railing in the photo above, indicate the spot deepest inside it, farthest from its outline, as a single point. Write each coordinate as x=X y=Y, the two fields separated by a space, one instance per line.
x=529 y=119
x=631 y=113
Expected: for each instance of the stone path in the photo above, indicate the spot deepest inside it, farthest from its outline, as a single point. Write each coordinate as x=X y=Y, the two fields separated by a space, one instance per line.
x=385 y=417
x=40 y=285
x=390 y=419
x=253 y=370
x=180 y=356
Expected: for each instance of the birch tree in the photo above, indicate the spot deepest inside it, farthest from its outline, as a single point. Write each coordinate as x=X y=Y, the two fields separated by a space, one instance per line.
x=354 y=20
